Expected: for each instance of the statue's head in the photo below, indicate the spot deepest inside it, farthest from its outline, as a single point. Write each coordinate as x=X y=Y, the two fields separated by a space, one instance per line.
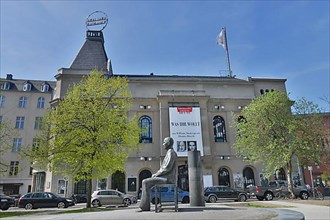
x=168 y=143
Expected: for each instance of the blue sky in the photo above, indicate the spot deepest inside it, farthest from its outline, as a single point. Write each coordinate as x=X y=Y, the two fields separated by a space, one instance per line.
x=271 y=39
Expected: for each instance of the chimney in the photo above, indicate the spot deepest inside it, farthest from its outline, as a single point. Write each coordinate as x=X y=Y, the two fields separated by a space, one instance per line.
x=9 y=76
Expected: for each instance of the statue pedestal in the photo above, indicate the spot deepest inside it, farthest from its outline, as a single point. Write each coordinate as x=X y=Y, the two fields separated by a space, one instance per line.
x=196 y=186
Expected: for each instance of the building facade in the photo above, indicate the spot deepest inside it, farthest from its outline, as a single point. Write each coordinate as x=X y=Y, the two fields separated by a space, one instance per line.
x=195 y=110
x=203 y=106
x=23 y=104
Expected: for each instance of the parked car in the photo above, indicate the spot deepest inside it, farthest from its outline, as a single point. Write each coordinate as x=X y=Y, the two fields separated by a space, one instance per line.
x=16 y=198
x=268 y=191
x=112 y=197
x=168 y=195
x=214 y=193
x=6 y=202
x=43 y=200
x=79 y=198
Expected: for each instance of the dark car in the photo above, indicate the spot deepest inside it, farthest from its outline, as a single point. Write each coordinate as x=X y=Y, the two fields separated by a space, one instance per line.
x=43 y=200
x=6 y=202
x=213 y=193
x=16 y=198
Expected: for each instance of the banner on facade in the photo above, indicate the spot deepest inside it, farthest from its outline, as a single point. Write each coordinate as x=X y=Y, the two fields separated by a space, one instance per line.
x=186 y=129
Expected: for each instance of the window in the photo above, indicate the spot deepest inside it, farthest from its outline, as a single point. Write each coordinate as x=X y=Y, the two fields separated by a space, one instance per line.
x=5 y=86
x=38 y=123
x=219 y=129
x=223 y=177
x=19 y=122
x=13 y=171
x=17 y=144
x=44 y=87
x=102 y=184
x=31 y=171
x=0 y=119
x=2 y=101
x=22 y=102
x=61 y=187
x=41 y=102
x=27 y=87
x=35 y=144
x=146 y=129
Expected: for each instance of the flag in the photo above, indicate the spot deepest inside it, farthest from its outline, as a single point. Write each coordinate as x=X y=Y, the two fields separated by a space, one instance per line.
x=221 y=38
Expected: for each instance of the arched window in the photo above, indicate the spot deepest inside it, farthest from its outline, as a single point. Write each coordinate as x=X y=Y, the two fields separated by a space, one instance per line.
x=41 y=102
x=219 y=129
x=145 y=125
x=22 y=102
x=27 y=87
x=44 y=87
x=280 y=174
x=223 y=175
x=248 y=176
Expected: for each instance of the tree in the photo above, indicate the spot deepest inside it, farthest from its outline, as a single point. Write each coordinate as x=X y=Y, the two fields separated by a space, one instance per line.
x=268 y=132
x=89 y=134
x=6 y=136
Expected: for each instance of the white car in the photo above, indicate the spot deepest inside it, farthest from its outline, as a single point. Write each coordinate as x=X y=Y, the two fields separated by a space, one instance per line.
x=111 y=197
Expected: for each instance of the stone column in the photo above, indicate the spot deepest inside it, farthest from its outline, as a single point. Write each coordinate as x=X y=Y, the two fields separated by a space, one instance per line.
x=196 y=186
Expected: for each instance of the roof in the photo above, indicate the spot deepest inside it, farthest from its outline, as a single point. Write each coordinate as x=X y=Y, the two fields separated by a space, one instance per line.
x=92 y=54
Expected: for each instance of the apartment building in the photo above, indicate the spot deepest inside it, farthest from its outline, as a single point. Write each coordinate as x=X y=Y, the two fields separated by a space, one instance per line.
x=22 y=104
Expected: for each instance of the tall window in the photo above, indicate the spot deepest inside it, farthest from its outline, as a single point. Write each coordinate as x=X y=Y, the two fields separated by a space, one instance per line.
x=22 y=102
x=219 y=129
x=41 y=102
x=2 y=101
x=0 y=119
x=19 y=122
x=145 y=124
x=223 y=176
x=13 y=170
x=38 y=123
x=17 y=144
x=102 y=184
x=35 y=144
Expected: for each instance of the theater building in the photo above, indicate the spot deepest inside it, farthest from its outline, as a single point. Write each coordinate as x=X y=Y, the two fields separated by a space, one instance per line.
x=197 y=111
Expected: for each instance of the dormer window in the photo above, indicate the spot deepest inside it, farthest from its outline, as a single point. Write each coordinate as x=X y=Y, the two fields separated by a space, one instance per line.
x=5 y=86
x=27 y=87
x=44 y=87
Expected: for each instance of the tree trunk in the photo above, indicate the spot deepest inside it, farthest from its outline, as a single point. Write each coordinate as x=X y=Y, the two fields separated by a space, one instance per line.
x=89 y=193
x=289 y=177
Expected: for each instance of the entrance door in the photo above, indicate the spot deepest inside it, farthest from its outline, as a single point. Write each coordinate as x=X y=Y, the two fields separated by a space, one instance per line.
x=118 y=181
x=223 y=176
x=144 y=174
x=248 y=176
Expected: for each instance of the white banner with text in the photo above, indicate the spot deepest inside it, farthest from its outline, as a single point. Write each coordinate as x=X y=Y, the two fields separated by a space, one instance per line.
x=186 y=129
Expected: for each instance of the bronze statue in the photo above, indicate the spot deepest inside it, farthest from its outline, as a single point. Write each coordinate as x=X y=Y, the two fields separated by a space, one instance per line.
x=166 y=174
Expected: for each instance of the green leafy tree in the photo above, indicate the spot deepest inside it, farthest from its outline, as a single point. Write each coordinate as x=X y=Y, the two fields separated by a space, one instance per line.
x=269 y=133
x=89 y=134
x=7 y=133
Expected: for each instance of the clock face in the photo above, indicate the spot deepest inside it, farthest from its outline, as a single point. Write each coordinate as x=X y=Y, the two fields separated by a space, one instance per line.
x=96 y=21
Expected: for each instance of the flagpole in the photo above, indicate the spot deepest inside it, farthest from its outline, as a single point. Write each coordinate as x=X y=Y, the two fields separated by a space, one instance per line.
x=227 y=52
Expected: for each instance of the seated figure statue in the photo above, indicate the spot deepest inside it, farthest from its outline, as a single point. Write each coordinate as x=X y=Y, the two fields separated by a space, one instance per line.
x=165 y=175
